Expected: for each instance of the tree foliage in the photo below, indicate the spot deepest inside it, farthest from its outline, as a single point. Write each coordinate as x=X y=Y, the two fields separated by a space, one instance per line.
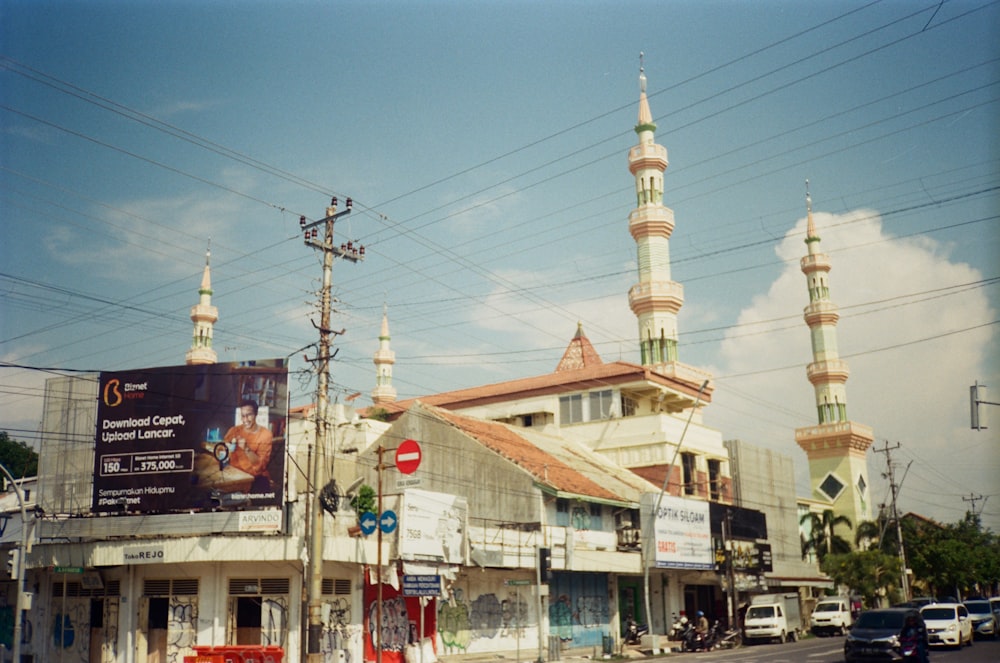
x=364 y=500
x=824 y=540
x=19 y=459
x=960 y=559
x=869 y=573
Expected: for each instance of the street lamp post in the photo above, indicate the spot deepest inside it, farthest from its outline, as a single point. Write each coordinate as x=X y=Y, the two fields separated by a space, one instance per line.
x=649 y=538
x=22 y=548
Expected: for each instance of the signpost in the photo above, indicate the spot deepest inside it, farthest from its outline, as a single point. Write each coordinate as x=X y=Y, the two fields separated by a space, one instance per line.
x=408 y=456
x=368 y=522
x=387 y=521
x=68 y=569
x=421 y=585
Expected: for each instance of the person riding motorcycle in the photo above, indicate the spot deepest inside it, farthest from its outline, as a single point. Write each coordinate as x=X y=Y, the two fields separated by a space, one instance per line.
x=914 y=635
x=701 y=624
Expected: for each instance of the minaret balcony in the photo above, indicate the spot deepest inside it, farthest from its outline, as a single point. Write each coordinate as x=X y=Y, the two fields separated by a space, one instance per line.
x=204 y=313
x=819 y=262
x=647 y=155
x=651 y=221
x=832 y=440
x=385 y=356
x=831 y=370
x=821 y=313
x=656 y=296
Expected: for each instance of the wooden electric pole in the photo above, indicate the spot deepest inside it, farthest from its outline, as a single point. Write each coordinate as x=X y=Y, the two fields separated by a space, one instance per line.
x=314 y=587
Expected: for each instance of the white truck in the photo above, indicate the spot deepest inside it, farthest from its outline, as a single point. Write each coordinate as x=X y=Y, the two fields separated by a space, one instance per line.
x=773 y=617
x=832 y=615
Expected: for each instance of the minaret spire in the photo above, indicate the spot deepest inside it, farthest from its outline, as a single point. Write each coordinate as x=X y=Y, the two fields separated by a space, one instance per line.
x=384 y=392
x=811 y=236
x=655 y=299
x=836 y=447
x=204 y=317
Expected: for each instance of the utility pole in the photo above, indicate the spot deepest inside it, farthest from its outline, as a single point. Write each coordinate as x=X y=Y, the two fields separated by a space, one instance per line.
x=973 y=498
x=314 y=588
x=893 y=488
x=729 y=548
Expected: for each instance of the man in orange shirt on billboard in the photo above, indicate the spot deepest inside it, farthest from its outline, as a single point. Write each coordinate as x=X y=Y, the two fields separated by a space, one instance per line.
x=253 y=444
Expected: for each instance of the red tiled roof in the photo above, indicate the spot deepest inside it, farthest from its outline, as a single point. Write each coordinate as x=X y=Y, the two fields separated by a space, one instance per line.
x=544 y=467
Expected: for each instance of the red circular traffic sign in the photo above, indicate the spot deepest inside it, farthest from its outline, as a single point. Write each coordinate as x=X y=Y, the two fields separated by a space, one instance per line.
x=408 y=456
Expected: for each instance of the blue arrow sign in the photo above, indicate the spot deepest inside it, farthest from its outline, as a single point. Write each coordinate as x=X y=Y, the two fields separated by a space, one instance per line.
x=387 y=522
x=367 y=522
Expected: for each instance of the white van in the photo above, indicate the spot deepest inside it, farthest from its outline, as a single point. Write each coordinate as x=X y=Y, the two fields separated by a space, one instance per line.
x=773 y=617
x=832 y=615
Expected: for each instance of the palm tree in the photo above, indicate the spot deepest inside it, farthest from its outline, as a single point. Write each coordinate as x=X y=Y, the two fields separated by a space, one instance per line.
x=822 y=539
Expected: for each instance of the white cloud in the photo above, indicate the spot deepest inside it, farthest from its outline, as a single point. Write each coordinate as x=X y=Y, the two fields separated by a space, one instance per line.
x=912 y=357
x=165 y=228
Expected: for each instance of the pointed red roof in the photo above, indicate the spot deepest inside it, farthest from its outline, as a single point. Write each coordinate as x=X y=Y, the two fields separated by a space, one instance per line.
x=580 y=353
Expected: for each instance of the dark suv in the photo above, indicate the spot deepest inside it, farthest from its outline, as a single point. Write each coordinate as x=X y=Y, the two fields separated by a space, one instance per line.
x=875 y=634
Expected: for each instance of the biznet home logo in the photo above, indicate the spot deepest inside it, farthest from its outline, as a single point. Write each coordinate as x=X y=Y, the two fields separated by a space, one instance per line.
x=115 y=391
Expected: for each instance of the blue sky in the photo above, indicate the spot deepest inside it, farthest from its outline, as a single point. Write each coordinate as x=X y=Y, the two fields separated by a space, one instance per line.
x=484 y=145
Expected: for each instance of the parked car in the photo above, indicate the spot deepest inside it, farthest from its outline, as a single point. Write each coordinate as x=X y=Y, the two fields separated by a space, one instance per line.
x=916 y=602
x=995 y=604
x=947 y=624
x=984 y=622
x=875 y=634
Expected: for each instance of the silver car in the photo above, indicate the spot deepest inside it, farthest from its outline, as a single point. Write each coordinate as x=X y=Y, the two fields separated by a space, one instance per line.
x=984 y=621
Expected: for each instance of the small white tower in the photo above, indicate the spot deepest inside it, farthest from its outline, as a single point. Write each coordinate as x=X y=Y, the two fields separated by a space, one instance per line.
x=204 y=316
x=384 y=392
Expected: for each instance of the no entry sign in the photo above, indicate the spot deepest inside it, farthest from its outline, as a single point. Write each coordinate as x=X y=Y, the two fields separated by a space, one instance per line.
x=408 y=456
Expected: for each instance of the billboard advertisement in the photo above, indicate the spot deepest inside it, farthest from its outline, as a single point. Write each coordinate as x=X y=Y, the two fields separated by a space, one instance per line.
x=433 y=527
x=682 y=535
x=186 y=438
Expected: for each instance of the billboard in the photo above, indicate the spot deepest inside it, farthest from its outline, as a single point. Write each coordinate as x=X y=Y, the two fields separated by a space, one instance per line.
x=682 y=536
x=186 y=438
x=433 y=527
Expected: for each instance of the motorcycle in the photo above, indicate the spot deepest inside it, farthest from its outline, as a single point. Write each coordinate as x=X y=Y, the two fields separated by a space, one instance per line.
x=634 y=632
x=691 y=640
x=909 y=649
x=730 y=639
x=678 y=628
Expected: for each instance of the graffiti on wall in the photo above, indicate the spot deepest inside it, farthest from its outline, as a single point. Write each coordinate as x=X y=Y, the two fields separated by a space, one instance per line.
x=182 y=634
x=109 y=646
x=578 y=608
x=485 y=615
x=274 y=621
x=71 y=630
x=561 y=618
x=338 y=631
x=395 y=631
x=514 y=611
x=462 y=623
x=453 y=624
x=404 y=622
x=591 y=611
